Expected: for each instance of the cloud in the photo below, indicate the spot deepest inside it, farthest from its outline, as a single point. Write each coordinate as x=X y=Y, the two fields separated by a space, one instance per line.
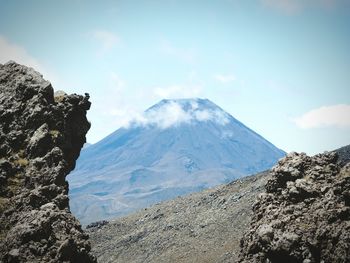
x=173 y=113
x=184 y=54
x=113 y=102
x=336 y=116
x=168 y=115
x=224 y=78
x=11 y=51
x=285 y=6
x=178 y=91
x=291 y=7
x=203 y=115
x=116 y=82
x=107 y=40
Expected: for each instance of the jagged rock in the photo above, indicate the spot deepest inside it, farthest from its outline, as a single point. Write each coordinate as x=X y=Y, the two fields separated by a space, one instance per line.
x=40 y=139
x=305 y=214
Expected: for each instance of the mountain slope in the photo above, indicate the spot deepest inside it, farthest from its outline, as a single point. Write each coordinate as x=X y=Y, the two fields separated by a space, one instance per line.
x=200 y=227
x=176 y=147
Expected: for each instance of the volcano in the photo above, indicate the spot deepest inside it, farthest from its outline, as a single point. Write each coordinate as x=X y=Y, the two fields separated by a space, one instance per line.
x=176 y=147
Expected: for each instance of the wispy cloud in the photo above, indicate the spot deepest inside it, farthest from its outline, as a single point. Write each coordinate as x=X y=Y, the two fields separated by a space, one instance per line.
x=113 y=102
x=291 y=7
x=106 y=39
x=225 y=78
x=187 y=55
x=336 y=116
x=178 y=91
x=12 y=51
x=285 y=6
x=116 y=83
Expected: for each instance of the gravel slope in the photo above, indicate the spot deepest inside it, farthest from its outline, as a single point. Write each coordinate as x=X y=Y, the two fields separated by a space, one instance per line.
x=201 y=227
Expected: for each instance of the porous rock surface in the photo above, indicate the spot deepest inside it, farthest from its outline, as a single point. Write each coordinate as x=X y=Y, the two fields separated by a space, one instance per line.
x=40 y=139
x=304 y=216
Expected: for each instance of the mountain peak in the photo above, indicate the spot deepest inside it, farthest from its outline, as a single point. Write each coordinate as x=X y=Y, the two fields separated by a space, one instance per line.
x=188 y=103
x=176 y=147
x=170 y=112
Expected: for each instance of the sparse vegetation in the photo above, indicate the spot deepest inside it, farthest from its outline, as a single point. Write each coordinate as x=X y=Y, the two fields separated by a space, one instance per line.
x=3 y=204
x=21 y=162
x=59 y=98
x=54 y=133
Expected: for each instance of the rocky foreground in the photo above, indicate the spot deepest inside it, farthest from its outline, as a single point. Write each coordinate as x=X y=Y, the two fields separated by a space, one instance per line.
x=304 y=216
x=302 y=212
x=40 y=139
x=301 y=216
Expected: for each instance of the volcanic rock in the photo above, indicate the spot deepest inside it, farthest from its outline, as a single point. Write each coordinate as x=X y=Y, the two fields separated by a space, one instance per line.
x=304 y=216
x=40 y=139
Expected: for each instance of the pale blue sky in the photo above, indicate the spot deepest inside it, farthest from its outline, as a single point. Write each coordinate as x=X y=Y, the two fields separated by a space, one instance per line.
x=282 y=67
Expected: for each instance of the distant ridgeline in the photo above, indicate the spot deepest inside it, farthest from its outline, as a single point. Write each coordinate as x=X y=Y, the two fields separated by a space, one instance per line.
x=178 y=147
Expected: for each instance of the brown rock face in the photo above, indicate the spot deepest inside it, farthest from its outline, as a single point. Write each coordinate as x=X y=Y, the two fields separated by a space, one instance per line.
x=305 y=214
x=40 y=139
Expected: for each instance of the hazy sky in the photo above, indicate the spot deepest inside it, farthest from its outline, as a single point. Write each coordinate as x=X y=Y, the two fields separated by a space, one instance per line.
x=282 y=67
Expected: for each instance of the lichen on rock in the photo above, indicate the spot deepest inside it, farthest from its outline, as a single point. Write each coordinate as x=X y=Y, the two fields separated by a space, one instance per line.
x=304 y=216
x=40 y=140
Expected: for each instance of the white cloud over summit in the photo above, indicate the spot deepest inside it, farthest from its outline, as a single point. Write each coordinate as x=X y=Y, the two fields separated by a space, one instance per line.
x=173 y=113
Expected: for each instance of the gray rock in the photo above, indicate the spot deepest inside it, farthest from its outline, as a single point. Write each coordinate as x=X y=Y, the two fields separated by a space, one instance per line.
x=40 y=140
x=40 y=143
x=308 y=206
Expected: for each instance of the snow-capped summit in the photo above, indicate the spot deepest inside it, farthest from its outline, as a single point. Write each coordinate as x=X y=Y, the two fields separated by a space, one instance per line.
x=175 y=147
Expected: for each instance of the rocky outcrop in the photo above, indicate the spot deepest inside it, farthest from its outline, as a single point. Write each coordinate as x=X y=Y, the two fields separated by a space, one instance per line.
x=304 y=216
x=40 y=139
